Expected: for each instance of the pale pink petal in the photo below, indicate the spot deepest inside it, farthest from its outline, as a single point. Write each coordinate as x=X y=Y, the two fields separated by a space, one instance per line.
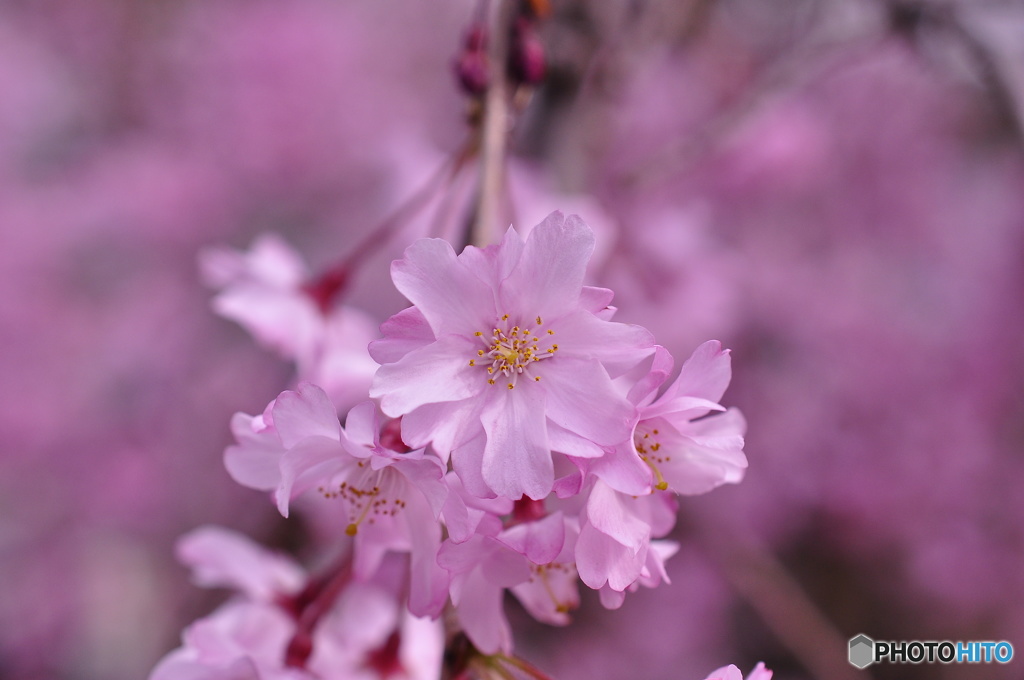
x=705 y=374
x=436 y=373
x=181 y=664
x=482 y=616
x=242 y=629
x=362 y=426
x=426 y=476
x=466 y=514
x=428 y=581
x=613 y=542
x=255 y=461
x=729 y=672
x=468 y=462
x=517 y=459
x=601 y=560
x=422 y=651
x=481 y=568
x=312 y=461
x=223 y=558
x=646 y=387
x=450 y=296
x=582 y=400
x=729 y=426
x=404 y=332
x=444 y=425
x=607 y=513
x=680 y=408
x=623 y=470
x=571 y=444
x=699 y=456
x=594 y=299
x=618 y=346
x=658 y=553
x=540 y=541
x=494 y=263
x=760 y=673
x=285 y=321
x=306 y=412
x=342 y=365
x=550 y=594
x=550 y=273
x=611 y=599
x=696 y=470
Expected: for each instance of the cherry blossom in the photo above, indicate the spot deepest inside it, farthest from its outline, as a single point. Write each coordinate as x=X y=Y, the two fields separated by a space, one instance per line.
x=503 y=358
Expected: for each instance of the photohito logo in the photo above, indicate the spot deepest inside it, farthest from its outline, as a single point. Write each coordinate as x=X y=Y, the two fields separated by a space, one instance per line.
x=864 y=651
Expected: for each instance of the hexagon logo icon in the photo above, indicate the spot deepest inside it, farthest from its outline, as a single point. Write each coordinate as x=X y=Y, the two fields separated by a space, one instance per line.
x=862 y=651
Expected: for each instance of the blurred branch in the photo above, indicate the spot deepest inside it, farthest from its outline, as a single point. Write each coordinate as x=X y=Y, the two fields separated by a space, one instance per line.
x=494 y=133
x=780 y=601
x=913 y=17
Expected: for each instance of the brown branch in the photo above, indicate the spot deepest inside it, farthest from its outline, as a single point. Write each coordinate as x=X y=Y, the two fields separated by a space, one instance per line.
x=494 y=133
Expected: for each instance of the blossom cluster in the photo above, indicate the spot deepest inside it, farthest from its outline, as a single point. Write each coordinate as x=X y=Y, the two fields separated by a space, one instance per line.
x=516 y=438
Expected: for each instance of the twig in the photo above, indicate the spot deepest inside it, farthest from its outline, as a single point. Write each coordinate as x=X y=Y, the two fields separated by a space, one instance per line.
x=494 y=133
x=782 y=604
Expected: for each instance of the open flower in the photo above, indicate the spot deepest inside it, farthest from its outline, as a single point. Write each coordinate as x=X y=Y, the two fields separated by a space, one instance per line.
x=268 y=290
x=680 y=442
x=503 y=357
x=392 y=498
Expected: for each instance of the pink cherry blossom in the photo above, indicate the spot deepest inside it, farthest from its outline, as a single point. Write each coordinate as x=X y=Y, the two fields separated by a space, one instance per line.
x=246 y=638
x=502 y=359
x=615 y=535
x=240 y=641
x=392 y=499
x=676 y=444
x=266 y=291
x=223 y=558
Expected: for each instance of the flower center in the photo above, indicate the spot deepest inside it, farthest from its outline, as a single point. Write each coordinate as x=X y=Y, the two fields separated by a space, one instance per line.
x=648 y=449
x=368 y=493
x=512 y=350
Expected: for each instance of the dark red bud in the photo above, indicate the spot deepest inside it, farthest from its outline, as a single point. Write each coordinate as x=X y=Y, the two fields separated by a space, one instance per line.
x=526 y=57
x=476 y=38
x=471 y=68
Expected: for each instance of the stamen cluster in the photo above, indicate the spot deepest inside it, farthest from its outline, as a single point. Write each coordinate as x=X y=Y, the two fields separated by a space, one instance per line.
x=511 y=351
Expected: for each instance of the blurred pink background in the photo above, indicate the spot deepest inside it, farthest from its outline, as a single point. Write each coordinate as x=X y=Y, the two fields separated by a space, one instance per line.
x=835 y=190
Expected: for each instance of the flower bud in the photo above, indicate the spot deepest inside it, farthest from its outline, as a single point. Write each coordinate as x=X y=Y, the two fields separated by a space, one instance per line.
x=471 y=65
x=526 y=63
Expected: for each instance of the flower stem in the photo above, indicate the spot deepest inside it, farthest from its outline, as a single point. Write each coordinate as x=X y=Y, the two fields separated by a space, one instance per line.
x=494 y=132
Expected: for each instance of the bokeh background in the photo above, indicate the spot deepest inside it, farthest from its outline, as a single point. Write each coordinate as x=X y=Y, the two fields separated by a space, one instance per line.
x=833 y=188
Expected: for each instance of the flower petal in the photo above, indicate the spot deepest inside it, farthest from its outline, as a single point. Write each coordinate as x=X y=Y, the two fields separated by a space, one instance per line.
x=550 y=273
x=539 y=541
x=311 y=461
x=404 y=332
x=435 y=373
x=618 y=346
x=307 y=412
x=705 y=374
x=582 y=399
x=362 y=426
x=449 y=295
x=517 y=459
x=255 y=461
x=445 y=425
x=220 y=557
